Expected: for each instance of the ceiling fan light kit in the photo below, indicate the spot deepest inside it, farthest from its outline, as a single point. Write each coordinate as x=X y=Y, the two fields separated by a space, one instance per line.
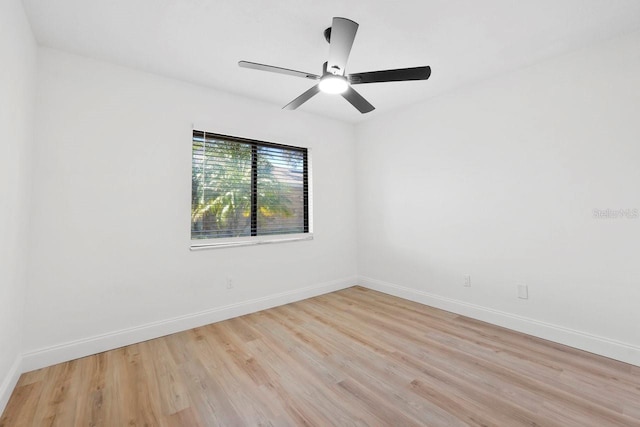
x=340 y=36
x=332 y=84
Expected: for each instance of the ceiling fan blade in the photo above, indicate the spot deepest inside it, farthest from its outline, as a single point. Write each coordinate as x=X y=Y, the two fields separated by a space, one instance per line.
x=343 y=32
x=358 y=101
x=279 y=70
x=399 y=75
x=302 y=98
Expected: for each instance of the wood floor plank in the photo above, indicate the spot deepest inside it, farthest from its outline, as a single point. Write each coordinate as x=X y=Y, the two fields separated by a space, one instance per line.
x=355 y=357
x=171 y=387
x=21 y=408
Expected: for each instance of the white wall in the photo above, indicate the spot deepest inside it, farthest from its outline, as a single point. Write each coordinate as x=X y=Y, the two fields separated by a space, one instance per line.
x=499 y=181
x=17 y=101
x=110 y=246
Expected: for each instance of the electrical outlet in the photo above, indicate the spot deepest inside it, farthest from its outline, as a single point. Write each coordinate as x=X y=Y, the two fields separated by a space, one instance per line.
x=467 y=280
x=229 y=283
x=523 y=291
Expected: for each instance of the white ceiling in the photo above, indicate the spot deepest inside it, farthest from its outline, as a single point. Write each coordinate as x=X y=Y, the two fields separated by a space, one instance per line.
x=201 y=41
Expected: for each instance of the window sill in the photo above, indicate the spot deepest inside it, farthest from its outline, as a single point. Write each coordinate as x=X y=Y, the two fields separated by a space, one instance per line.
x=251 y=241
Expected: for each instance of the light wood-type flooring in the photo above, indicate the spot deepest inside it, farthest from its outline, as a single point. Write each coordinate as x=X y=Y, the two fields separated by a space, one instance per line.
x=350 y=358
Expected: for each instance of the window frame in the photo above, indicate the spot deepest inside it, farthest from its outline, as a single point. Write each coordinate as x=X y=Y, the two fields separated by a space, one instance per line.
x=254 y=239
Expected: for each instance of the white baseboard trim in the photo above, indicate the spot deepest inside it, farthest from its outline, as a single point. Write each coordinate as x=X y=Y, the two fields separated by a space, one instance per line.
x=584 y=341
x=9 y=383
x=48 y=356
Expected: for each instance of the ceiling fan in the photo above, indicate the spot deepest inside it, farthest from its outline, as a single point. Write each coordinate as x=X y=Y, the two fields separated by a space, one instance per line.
x=340 y=37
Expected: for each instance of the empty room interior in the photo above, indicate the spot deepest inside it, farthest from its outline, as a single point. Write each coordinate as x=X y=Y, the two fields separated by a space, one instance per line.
x=337 y=213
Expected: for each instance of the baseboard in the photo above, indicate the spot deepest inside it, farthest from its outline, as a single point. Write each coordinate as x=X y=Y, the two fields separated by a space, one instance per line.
x=584 y=341
x=9 y=383
x=48 y=356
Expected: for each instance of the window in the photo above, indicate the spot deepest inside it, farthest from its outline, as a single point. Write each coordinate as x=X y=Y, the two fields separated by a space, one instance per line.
x=243 y=188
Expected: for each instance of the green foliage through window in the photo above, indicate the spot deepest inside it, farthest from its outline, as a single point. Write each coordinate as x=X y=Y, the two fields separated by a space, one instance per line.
x=242 y=187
